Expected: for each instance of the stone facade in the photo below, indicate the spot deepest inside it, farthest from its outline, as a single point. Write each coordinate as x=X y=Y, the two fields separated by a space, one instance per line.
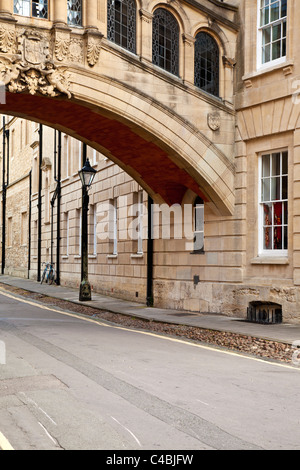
x=134 y=115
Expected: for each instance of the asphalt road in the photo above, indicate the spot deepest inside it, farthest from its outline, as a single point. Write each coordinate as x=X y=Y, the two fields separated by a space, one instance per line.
x=71 y=382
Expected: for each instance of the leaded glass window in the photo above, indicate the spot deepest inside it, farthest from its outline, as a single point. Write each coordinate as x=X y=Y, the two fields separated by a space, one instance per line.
x=121 y=23
x=75 y=12
x=165 y=41
x=207 y=63
x=35 y=8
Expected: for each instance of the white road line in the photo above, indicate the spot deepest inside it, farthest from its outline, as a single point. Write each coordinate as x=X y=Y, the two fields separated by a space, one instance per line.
x=48 y=434
x=203 y=402
x=128 y=430
x=32 y=402
x=166 y=338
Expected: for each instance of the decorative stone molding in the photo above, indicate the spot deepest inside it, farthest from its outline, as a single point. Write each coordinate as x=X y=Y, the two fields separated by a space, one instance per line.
x=214 y=121
x=7 y=39
x=46 y=79
x=188 y=39
x=93 y=46
x=32 y=69
x=33 y=48
x=146 y=16
x=287 y=70
x=227 y=62
x=46 y=164
x=61 y=45
x=76 y=50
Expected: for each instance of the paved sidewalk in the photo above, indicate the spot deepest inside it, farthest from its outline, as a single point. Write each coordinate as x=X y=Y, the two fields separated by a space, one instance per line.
x=282 y=332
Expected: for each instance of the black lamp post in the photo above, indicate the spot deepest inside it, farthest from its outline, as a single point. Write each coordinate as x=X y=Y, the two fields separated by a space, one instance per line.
x=87 y=175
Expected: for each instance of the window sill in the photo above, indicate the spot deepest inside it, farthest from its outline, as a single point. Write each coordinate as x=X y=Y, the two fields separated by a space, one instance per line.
x=268 y=69
x=137 y=255
x=112 y=256
x=279 y=260
x=197 y=252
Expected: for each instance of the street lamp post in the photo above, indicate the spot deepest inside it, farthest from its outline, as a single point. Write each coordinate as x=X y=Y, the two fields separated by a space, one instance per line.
x=87 y=175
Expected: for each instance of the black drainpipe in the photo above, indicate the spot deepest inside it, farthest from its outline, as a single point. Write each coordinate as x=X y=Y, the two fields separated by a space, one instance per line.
x=58 y=191
x=52 y=202
x=150 y=254
x=3 y=200
x=29 y=223
x=40 y=205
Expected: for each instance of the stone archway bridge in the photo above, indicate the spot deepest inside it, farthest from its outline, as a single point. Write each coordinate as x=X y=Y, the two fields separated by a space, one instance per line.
x=168 y=135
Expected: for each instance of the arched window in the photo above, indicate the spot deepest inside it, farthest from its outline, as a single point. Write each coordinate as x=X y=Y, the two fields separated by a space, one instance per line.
x=199 y=225
x=75 y=12
x=165 y=41
x=121 y=23
x=207 y=63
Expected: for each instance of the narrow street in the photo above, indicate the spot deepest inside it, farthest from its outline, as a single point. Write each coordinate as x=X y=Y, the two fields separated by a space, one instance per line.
x=73 y=382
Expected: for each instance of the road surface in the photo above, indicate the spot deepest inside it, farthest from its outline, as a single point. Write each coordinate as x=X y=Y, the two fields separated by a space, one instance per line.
x=72 y=382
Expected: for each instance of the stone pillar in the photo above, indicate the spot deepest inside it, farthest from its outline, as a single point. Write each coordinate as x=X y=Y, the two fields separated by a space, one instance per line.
x=189 y=59
x=91 y=14
x=61 y=30
x=145 y=35
x=60 y=11
x=6 y=8
x=228 y=78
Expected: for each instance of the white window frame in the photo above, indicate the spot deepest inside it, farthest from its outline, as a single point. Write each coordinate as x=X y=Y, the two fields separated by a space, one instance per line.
x=93 y=229
x=270 y=63
x=261 y=250
x=113 y=211
x=196 y=209
x=140 y=223
x=67 y=233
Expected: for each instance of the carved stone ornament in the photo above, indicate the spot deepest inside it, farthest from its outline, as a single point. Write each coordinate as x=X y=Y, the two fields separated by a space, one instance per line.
x=33 y=48
x=62 y=47
x=93 y=48
x=32 y=70
x=214 y=121
x=7 y=39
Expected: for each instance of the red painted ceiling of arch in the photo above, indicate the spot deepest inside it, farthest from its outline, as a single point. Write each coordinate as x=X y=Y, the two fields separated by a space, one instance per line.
x=146 y=158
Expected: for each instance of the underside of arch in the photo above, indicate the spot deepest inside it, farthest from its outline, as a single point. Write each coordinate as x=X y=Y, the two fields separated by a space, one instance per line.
x=135 y=151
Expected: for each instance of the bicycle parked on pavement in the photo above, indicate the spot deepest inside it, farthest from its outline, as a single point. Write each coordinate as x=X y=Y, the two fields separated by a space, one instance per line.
x=49 y=274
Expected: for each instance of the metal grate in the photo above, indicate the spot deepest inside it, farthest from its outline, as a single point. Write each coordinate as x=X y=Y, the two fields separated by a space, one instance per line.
x=266 y=313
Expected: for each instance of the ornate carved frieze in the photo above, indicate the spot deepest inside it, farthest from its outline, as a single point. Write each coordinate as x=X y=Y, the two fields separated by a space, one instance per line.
x=37 y=61
x=32 y=69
